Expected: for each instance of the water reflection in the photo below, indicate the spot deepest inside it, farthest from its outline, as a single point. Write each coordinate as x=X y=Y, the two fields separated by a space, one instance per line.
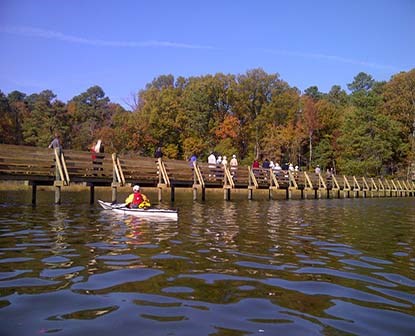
x=326 y=267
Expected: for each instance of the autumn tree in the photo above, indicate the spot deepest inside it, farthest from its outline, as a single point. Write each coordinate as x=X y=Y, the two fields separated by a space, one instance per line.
x=253 y=92
x=309 y=122
x=7 y=128
x=399 y=103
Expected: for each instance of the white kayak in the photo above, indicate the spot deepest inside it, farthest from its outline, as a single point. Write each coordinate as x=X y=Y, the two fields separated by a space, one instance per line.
x=144 y=213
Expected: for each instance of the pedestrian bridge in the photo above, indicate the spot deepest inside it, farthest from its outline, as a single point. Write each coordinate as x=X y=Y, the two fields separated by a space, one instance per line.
x=43 y=166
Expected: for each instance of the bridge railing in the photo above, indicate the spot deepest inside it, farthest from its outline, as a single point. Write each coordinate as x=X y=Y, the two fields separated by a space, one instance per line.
x=139 y=169
x=180 y=172
x=26 y=162
x=83 y=165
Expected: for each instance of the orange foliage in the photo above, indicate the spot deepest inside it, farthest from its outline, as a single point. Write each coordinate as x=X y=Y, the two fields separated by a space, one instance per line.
x=229 y=128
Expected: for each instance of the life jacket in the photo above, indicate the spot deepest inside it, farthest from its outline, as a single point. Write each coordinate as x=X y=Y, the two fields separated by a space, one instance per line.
x=137 y=198
x=134 y=199
x=145 y=203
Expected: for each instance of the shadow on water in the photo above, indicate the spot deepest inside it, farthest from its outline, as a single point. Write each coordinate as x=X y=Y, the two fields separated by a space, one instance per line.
x=315 y=267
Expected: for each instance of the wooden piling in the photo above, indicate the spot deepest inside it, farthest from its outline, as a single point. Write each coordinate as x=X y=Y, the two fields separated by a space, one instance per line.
x=172 y=196
x=250 y=193
x=227 y=194
x=91 y=193
x=113 y=193
x=34 y=187
x=57 y=194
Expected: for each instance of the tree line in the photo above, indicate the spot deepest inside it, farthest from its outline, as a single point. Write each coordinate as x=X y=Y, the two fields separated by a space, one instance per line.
x=368 y=131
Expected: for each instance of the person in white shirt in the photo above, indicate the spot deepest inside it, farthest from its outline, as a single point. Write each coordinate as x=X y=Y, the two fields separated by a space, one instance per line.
x=234 y=162
x=212 y=160
x=234 y=166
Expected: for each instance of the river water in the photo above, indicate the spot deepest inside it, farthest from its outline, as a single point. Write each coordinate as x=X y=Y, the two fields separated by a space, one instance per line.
x=299 y=267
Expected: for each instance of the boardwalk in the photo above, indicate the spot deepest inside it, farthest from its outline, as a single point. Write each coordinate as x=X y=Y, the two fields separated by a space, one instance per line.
x=43 y=166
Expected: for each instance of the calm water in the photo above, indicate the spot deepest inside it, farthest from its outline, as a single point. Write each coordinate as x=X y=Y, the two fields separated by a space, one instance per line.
x=325 y=267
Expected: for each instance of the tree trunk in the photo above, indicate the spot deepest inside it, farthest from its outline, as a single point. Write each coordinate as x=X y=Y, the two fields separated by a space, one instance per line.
x=311 y=150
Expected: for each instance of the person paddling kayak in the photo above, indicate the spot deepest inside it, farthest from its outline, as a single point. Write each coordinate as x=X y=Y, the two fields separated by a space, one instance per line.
x=137 y=199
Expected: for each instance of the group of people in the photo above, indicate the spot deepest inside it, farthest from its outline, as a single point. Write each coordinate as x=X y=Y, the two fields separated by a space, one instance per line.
x=267 y=164
x=214 y=161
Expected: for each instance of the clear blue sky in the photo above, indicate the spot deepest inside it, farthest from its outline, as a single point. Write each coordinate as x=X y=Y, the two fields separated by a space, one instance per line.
x=68 y=46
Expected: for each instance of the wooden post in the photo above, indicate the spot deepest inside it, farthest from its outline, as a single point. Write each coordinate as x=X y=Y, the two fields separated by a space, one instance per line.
x=114 y=193
x=57 y=194
x=160 y=193
x=34 y=186
x=172 y=193
x=250 y=193
x=203 y=193
x=194 y=193
x=57 y=182
x=227 y=194
x=91 y=193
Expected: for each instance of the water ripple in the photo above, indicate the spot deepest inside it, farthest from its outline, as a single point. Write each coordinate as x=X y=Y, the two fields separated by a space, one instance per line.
x=315 y=267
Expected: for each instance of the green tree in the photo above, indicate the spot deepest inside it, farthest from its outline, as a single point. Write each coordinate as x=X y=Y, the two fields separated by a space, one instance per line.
x=47 y=115
x=313 y=92
x=18 y=109
x=158 y=112
x=368 y=138
x=89 y=112
x=337 y=96
x=361 y=82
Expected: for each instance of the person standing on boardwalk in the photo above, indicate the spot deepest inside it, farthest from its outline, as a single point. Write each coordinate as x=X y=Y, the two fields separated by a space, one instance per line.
x=234 y=165
x=266 y=164
x=212 y=160
x=93 y=152
x=234 y=162
x=158 y=153
x=193 y=160
x=55 y=143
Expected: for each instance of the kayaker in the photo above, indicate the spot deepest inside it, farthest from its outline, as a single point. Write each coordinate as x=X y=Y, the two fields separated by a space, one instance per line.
x=137 y=199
